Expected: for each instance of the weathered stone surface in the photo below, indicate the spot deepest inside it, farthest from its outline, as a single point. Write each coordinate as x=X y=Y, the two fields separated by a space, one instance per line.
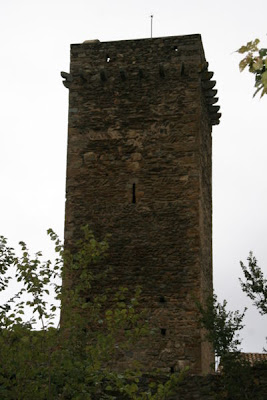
x=145 y=177
x=90 y=156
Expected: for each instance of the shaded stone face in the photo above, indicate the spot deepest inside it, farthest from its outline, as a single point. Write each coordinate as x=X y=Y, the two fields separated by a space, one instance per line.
x=139 y=168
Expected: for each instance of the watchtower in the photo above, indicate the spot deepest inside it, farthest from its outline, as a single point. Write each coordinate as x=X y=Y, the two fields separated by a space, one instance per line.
x=139 y=167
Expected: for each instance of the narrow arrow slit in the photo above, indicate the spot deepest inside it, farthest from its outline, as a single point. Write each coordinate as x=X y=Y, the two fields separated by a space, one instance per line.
x=134 y=198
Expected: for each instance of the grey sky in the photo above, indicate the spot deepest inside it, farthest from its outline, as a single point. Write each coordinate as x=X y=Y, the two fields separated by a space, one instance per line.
x=35 y=38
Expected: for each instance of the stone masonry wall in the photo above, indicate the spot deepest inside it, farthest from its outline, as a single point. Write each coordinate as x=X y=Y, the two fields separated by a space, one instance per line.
x=139 y=167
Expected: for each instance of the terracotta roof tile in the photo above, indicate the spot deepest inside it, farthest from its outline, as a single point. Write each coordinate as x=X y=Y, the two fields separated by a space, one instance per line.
x=254 y=358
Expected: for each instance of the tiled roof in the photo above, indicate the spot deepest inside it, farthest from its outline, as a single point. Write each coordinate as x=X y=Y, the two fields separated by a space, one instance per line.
x=254 y=358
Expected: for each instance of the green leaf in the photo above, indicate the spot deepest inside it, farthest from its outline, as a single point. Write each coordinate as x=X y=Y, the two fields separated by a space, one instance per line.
x=242 y=50
x=263 y=52
x=264 y=79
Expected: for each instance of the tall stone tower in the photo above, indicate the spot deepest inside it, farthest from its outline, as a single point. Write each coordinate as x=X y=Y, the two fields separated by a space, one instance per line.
x=139 y=167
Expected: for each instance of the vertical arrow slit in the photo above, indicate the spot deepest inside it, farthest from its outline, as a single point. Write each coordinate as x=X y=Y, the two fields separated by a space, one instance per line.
x=134 y=197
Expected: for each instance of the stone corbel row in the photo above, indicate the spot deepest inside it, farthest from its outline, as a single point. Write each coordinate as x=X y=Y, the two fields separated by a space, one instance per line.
x=210 y=93
x=206 y=82
x=68 y=78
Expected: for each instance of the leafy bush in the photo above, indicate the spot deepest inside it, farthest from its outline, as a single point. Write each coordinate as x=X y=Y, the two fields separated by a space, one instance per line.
x=74 y=359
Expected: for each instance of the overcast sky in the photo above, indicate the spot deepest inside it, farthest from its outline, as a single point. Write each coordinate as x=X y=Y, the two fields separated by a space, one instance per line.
x=35 y=41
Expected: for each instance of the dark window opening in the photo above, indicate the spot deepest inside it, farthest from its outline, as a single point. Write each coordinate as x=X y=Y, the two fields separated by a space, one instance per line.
x=162 y=299
x=134 y=197
x=182 y=69
x=161 y=71
x=163 y=331
x=172 y=370
x=103 y=76
x=123 y=75
x=87 y=299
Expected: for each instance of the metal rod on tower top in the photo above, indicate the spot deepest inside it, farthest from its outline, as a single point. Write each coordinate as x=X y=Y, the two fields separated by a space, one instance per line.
x=151 y=25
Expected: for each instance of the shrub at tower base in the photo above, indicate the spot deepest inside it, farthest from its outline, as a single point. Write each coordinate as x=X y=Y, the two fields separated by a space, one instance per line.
x=39 y=360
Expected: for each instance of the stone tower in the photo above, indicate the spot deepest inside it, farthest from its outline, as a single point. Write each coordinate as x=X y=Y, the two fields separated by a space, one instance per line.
x=139 y=167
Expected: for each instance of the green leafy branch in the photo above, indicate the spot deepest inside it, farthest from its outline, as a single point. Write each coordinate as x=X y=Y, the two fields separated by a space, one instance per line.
x=256 y=61
x=221 y=326
x=254 y=285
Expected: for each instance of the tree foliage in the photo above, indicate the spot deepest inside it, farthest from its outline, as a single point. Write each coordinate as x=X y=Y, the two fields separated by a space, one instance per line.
x=255 y=284
x=221 y=326
x=41 y=360
x=256 y=61
x=236 y=378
